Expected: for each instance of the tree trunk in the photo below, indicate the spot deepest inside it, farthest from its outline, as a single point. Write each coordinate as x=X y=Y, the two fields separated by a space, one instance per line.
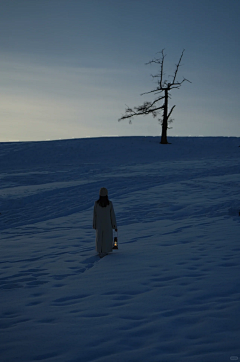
x=165 y=119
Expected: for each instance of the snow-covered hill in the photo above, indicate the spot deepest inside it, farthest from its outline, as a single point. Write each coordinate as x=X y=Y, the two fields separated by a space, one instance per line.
x=170 y=293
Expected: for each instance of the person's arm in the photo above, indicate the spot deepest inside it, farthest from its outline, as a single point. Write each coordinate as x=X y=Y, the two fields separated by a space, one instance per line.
x=113 y=218
x=94 y=217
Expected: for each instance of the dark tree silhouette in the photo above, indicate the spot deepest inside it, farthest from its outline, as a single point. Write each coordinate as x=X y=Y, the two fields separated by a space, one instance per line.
x=160 y=103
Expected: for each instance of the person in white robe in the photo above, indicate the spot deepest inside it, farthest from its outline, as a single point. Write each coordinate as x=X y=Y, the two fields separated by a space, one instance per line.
x=104 y=222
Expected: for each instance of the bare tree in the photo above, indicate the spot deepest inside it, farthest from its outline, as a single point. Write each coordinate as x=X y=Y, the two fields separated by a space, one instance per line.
x=160 y=103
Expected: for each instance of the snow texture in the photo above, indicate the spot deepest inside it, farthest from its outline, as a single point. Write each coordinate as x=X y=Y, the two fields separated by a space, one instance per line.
x=169 y=293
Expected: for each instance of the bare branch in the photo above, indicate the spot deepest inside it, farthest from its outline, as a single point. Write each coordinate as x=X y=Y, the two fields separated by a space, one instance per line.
x=157 y=90
x=145 y=109
x=159 y=61
x=163 y=56
x=177 y=66
x=185 y=80
x=178 y=85
x=170 y=112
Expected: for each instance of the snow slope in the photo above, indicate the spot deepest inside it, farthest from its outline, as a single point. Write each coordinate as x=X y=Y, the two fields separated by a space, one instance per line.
x=170 y=293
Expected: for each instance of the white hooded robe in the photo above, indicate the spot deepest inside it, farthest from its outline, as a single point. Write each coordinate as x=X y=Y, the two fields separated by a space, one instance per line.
x=104 y=221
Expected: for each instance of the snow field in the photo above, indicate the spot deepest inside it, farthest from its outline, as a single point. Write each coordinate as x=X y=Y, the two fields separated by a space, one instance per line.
x=171 y=291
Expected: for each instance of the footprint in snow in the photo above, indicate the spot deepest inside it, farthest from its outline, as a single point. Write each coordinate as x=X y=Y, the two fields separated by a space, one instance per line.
x=89 y=263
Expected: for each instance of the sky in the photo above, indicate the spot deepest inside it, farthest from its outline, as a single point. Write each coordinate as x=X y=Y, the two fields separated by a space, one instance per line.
x=68 y=69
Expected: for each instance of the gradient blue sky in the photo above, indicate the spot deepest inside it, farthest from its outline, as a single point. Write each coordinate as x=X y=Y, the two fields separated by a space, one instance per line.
x=69 y=67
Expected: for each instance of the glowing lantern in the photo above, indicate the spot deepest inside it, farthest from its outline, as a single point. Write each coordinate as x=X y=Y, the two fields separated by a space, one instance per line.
x=115 y=243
